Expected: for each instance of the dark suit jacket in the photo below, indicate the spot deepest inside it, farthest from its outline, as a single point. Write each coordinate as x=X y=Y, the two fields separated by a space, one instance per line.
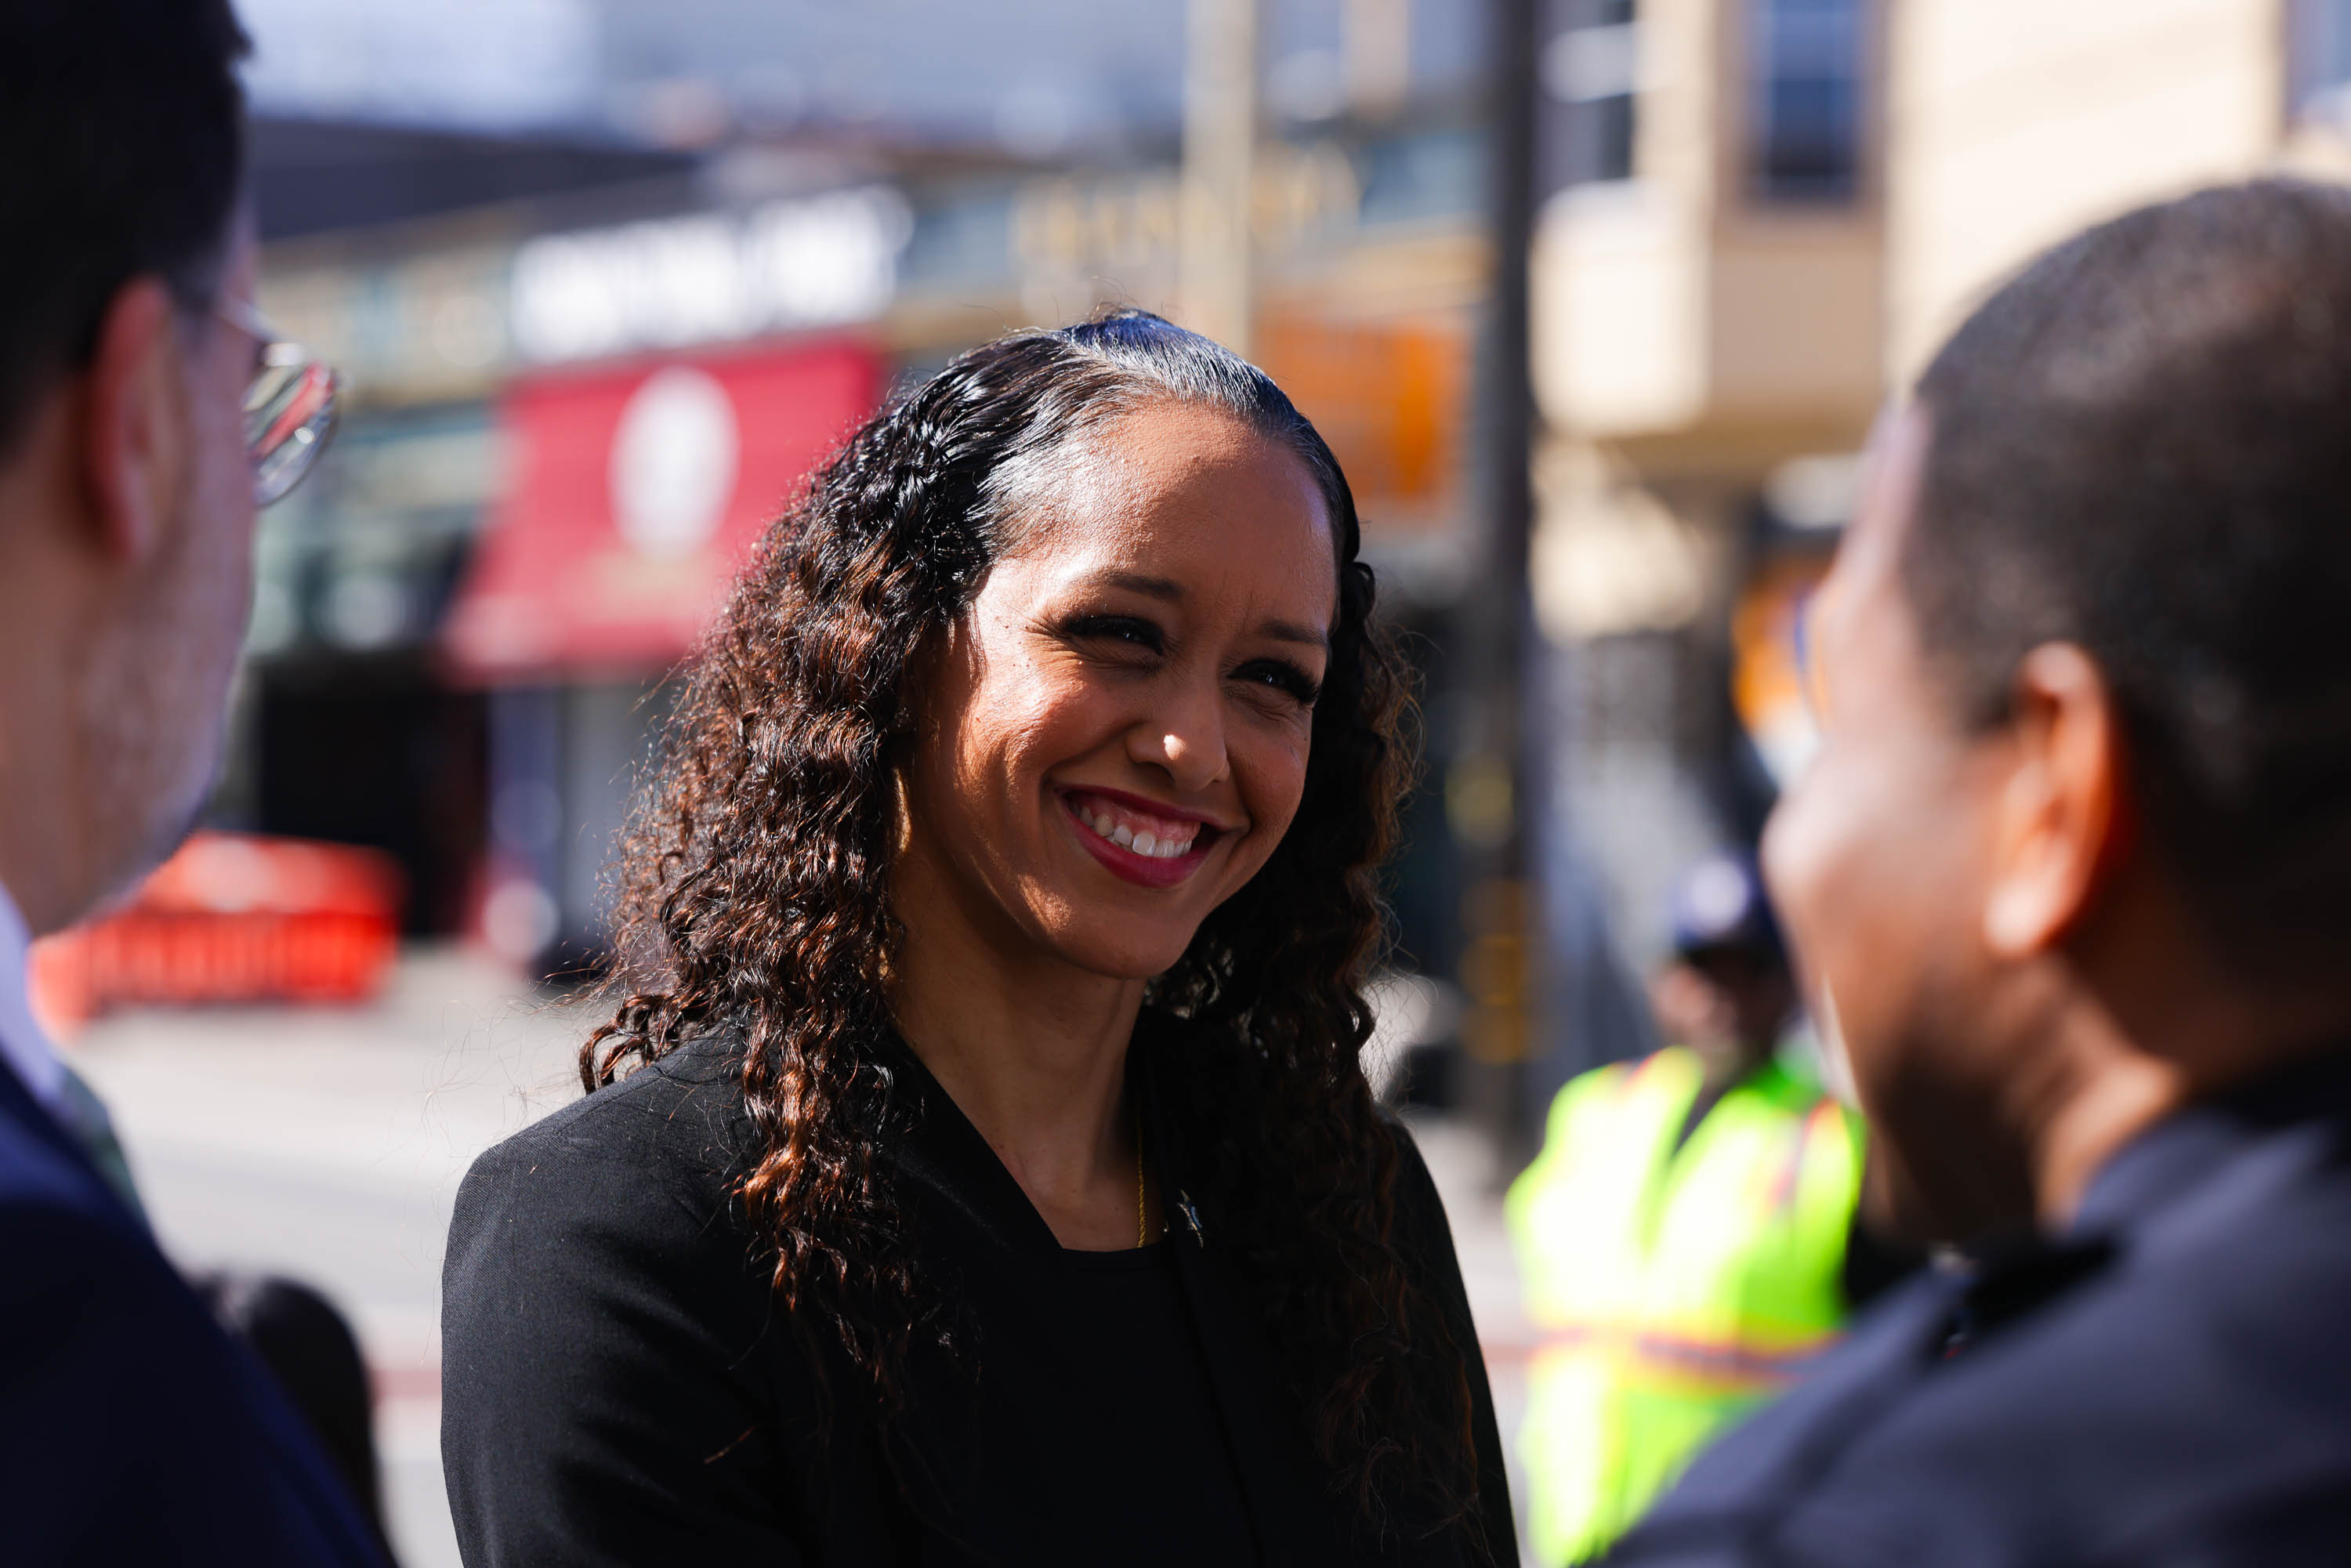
x=2166 y=1385
x=621 y=1387
x=132 y=1430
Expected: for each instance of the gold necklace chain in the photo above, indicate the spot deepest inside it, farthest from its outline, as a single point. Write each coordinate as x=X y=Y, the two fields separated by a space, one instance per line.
x=1142 y=1221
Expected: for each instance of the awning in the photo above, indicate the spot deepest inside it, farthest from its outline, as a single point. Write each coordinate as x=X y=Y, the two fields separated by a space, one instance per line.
x=633 y=495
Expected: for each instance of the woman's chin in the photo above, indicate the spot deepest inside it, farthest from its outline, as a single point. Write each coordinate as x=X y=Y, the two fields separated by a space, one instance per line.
x=1119 y=955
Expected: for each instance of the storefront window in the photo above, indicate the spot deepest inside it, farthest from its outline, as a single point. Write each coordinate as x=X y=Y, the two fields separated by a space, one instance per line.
x=1592 y=70
x=2321 y=60
x=1806 y=90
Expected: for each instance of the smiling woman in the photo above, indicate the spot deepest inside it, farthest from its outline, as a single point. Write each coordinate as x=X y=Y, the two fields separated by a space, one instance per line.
x=996 y=1180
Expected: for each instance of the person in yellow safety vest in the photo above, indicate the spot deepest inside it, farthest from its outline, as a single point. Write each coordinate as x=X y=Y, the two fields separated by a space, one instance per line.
x=1687 y=1234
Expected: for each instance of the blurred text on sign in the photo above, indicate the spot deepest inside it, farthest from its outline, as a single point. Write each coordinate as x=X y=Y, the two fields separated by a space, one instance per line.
x=231 y=917
x=636 y=493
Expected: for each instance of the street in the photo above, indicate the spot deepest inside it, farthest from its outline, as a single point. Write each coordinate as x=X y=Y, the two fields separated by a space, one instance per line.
x=327 y=1144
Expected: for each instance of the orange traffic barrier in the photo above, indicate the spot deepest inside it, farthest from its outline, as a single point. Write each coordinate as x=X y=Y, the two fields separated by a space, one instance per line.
x=231 y=917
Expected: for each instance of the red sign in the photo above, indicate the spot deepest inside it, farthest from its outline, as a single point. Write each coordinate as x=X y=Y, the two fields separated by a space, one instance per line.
x=634 y=495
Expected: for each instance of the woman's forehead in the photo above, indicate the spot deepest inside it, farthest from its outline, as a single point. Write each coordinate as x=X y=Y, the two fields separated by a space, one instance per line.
x=1174 y=479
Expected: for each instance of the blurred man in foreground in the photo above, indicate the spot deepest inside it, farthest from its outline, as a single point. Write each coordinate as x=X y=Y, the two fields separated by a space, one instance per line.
x=131 y=1430
x=1687 y=1233
x=2073 y=871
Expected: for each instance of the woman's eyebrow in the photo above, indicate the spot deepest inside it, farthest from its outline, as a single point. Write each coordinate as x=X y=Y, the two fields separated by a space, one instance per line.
x=1138 y=582
x=1292 y=631
x=1171 y=591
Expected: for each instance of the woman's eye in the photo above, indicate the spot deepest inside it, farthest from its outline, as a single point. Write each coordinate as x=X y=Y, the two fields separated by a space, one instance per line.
x=1129 y=629
x=1288 y=679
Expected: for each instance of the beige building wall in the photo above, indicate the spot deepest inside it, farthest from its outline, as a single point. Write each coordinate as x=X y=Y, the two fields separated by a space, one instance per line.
x=1674 y=305
x=1689 y=338
x=1695 y=349
x=2012 y=123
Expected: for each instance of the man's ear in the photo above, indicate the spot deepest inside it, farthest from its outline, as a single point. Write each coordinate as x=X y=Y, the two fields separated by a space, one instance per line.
x=2064 y=818
x=134 y=421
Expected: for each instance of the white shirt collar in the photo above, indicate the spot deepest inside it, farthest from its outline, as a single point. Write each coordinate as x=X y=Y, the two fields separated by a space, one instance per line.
x=24 y=1044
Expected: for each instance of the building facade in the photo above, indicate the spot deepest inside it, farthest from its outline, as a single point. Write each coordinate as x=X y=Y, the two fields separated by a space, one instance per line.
x=1763 y=216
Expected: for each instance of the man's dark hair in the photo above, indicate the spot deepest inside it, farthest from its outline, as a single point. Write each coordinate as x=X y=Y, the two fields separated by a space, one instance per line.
x=122 y=155
x=309 y=1348
x=2142 y=445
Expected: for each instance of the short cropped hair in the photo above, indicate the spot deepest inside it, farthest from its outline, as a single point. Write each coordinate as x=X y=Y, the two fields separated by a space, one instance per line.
x=2142 y=445
x=122 y=155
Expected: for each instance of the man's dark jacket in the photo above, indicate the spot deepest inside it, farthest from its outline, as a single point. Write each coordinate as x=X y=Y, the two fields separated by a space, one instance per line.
x=132 y=1430
x=2168 y=1381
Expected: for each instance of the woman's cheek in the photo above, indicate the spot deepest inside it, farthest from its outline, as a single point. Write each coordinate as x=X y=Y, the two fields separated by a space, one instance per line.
x=1271 y=791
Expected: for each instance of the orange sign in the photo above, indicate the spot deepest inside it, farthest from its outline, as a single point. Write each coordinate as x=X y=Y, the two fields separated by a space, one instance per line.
x=1390 y=397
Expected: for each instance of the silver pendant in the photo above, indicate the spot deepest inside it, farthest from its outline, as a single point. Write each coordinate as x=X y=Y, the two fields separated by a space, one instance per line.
x=1191 y=1218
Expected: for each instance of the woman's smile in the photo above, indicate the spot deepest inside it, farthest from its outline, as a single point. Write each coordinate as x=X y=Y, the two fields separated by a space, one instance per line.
x=1138 y=672
x=1145 y=841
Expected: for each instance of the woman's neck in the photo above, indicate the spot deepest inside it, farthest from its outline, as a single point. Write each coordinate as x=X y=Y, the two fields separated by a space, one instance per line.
x=1034 y=1053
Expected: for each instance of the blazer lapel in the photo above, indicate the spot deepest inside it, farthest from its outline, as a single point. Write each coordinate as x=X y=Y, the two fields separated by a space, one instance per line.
x=1278 y=1474
x=18 y=1106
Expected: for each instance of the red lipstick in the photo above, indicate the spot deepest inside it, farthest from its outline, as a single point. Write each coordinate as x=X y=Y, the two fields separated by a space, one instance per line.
x=1147 y=825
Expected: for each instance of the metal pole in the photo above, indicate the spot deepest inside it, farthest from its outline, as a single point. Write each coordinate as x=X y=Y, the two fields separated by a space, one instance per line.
x=1213 y=273
x=1489 y=794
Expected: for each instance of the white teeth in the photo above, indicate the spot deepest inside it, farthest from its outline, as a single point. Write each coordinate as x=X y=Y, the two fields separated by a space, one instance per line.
x=1143 y=843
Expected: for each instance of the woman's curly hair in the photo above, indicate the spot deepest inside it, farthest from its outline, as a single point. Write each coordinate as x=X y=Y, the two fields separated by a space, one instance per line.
x=755 y=901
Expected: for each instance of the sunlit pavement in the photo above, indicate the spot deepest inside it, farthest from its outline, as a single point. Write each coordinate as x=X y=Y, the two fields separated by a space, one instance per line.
x=327 y=1144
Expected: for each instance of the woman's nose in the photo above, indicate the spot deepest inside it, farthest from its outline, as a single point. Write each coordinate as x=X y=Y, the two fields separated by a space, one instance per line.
x=1184 y=739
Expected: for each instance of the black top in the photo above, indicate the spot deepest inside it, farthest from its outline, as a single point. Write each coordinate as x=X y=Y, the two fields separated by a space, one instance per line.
x=2166 y=1382
x=1104 y=1406
x=620 y=1386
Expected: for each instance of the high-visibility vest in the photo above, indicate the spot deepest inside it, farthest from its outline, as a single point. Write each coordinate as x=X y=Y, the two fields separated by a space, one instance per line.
x=1676 y=1289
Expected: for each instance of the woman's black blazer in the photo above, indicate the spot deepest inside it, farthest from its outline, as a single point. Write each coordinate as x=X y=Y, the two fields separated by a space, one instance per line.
x=619 y=1386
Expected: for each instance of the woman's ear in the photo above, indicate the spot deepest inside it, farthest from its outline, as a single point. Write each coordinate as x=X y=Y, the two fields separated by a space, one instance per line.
x=915 y=721
x=2062 y=821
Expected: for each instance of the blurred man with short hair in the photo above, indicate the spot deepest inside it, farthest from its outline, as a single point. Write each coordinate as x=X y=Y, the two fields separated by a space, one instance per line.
x=131 y=1430
x=2072 y=874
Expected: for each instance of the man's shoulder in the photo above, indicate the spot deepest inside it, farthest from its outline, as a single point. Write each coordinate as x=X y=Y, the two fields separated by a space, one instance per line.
x=129 y=1427
x=86 y=1246
x=2179 y=1397
x=2229 y=1311
x=2225 y=1309
x=2193 y=1386
x=81 y=1272
x=43 y=1187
